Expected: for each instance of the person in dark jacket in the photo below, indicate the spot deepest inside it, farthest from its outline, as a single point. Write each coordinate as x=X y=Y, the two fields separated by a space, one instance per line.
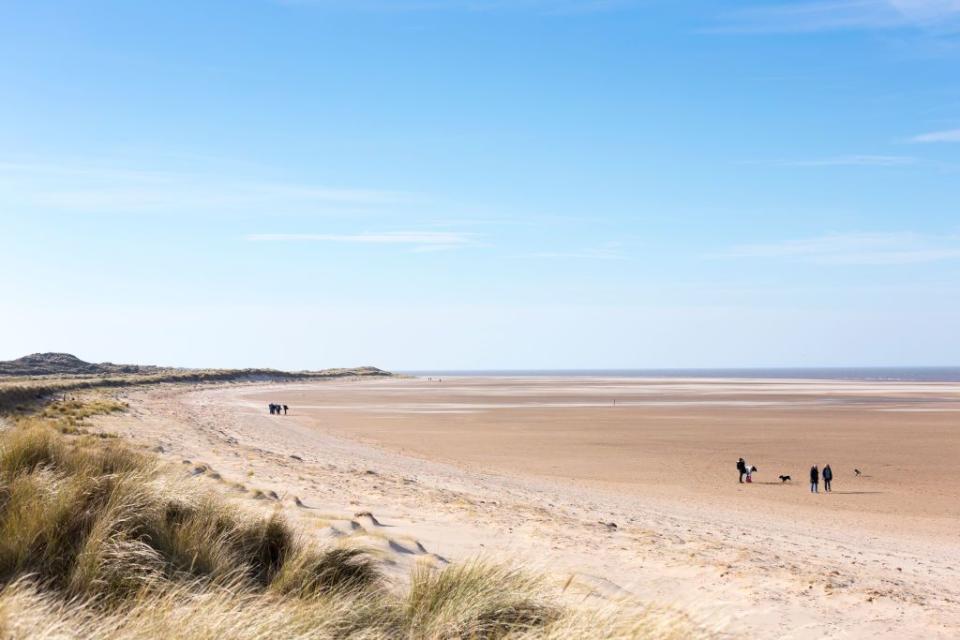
x=285 y=407
x=814 y=479
x=827 y=477
x=742 y=468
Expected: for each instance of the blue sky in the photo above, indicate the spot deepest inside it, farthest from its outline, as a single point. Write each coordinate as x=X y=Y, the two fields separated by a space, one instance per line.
x=481 y=183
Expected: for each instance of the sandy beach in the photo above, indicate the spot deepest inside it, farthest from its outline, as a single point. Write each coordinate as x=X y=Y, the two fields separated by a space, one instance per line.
x=628 y=486
x=676 y=438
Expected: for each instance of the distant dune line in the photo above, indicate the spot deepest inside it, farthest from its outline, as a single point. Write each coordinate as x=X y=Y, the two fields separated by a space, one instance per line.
x=19 y=391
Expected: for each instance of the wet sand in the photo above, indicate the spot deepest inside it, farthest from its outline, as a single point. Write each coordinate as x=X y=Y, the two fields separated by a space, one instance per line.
x=678 y=438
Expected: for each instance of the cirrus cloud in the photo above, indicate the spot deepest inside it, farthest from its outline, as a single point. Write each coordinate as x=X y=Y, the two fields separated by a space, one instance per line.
x=420 y=240
x=835 y=15
x=877 y=248
x=949 y=135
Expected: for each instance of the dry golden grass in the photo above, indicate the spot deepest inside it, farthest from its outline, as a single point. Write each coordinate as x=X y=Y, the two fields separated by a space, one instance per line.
x=476 y=600
x=77 y=410
x=100 y=541
x=27 y=612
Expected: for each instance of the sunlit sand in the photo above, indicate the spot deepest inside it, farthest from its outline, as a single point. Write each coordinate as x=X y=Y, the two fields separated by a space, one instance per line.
x=633 y=503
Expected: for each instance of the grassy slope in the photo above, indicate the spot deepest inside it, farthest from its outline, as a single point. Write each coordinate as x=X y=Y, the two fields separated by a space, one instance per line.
x=100 y=541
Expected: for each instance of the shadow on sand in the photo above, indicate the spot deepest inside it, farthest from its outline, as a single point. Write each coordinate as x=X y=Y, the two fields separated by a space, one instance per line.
x=855 y=493
x=841 y=493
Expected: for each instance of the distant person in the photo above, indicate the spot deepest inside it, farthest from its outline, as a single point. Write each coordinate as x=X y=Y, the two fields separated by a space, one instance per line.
x=742 y=468
x=285 y=409
x=827 y=478
x=814 y=479
x=271 y=408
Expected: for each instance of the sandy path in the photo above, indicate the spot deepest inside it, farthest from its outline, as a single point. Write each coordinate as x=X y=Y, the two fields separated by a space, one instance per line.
x=772 y=576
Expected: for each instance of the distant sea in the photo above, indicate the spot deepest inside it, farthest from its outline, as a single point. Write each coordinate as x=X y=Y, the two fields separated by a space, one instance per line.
x=919 y=374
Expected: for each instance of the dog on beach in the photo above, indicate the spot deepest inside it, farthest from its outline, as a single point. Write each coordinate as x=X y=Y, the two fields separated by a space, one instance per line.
x=857 y=471
x=784 y=478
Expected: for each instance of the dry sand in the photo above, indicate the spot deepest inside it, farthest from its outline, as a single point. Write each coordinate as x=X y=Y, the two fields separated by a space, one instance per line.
x=537 y=469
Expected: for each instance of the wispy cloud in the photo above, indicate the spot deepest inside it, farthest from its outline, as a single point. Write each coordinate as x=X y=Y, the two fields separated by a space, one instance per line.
x=89 y=189
x=927 y=11
x=856 y=249
x=420 y=240
x=949 y=135
x=833 y=15
x=179 y=195
x=853 y=161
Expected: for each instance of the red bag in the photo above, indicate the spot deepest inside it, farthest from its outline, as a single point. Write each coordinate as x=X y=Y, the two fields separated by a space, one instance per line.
x=748 y=479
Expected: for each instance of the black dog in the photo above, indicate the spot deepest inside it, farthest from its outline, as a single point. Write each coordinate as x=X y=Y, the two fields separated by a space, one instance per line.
x=784 y=478
x=857 y=471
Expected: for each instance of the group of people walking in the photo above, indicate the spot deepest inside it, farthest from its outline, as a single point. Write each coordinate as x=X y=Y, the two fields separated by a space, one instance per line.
x=278 y=409
x=746 y=471
x=816 y=474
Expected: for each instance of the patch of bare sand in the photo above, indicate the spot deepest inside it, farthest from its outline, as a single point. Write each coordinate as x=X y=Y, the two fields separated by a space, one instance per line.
x=744 y=558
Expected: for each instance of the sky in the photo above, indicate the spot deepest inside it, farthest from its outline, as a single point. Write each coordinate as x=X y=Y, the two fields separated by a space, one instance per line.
x=471 y=184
